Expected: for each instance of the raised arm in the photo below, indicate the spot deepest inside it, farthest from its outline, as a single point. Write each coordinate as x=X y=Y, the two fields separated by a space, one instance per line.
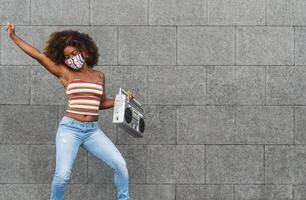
x=34 y=53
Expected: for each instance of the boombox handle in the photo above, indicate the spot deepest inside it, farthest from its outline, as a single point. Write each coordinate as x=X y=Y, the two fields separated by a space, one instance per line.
x=124 y=92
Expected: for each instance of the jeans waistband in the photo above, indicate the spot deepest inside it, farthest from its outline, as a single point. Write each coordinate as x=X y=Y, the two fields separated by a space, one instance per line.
x=71 y=121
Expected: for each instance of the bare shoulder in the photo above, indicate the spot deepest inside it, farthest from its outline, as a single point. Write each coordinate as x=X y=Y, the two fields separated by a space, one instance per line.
x=102 y=75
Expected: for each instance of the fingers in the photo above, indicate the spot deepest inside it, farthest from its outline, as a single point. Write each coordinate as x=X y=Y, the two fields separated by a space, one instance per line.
x=9 y=25
x=10 y=28
x=131 y=94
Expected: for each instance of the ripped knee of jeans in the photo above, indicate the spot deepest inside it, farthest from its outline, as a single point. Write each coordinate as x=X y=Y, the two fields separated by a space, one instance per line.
x=62 y=177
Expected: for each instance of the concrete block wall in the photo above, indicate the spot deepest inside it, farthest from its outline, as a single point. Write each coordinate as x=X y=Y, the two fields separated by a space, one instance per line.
x=223 y=84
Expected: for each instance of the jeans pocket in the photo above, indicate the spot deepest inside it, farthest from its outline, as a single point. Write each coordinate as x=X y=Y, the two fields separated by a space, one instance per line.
x=68 y=126
x=64 y=122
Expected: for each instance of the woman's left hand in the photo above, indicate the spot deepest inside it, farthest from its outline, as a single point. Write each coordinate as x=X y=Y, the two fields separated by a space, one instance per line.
x=131 y=94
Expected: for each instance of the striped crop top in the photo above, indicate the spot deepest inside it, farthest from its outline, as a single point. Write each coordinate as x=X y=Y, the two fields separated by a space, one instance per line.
x=84 y=97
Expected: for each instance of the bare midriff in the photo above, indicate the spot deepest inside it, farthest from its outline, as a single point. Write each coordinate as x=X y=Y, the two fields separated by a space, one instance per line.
x=83 y=118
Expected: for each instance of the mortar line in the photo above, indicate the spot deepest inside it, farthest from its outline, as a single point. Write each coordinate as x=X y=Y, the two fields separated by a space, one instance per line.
x=117 y=34
x=164 y=25
x=28 y=167
x=235 y=121
x=148 y=15
x=207 y=16
x=266 y=13
x=87 y=165
x=30 y=12
x=176 y=124
x=200 y=105
x=183 y=184
x=176 y=46
x=147 y=152
x=234 y=191
x=264 y=163
x=1 y=45
x=30 y=83
x=206 y=88
x=235 y=31
x=147 y=84
x=293 y=124
x=89 y=12
x=265 y=67
x=173 y=65
x=294 y=45
x=58 y=113
x=182 y=144
x=205 y=181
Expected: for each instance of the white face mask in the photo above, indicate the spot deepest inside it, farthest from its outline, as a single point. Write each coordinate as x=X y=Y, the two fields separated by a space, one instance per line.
x=76 y=62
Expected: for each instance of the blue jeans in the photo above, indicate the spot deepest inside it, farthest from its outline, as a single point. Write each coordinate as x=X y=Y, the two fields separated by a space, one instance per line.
x=71 y=134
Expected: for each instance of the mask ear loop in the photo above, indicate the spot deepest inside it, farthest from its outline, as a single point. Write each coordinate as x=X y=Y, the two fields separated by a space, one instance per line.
x=85 y=54
x=65 y=61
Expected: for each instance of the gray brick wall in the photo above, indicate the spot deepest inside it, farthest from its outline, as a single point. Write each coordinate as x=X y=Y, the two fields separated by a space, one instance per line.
x=223 y=83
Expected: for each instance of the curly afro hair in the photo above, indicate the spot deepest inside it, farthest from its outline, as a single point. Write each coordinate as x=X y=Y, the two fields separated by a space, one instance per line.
x=59 y=40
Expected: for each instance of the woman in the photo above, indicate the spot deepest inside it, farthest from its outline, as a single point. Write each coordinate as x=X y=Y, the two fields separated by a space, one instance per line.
x=70 y=56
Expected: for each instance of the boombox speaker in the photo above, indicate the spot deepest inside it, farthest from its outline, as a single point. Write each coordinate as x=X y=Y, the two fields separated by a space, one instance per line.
x=129 y=114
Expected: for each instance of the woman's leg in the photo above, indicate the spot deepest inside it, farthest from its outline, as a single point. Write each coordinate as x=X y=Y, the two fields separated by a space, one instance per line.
x=103 y=149
x=67 y=145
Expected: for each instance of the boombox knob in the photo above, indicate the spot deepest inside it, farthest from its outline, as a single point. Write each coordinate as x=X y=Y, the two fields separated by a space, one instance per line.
x=141 y=125
x=128 y=115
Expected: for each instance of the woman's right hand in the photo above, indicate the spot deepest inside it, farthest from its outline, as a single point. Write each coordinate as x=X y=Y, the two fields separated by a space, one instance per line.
x=10 y=28
x=131 y=94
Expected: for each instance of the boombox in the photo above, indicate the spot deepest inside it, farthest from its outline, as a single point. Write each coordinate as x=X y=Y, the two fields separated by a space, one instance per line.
x=129 y=114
